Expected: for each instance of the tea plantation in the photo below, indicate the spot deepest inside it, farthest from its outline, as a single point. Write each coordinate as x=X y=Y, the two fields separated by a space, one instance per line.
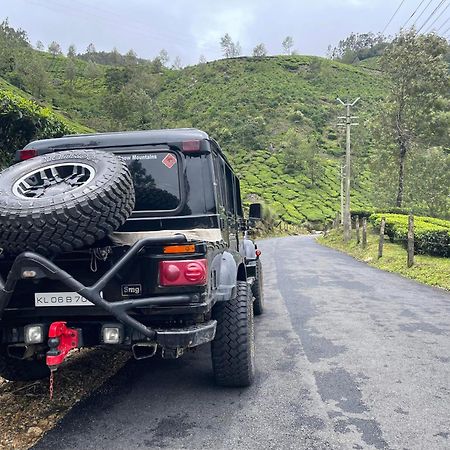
x=250 y=105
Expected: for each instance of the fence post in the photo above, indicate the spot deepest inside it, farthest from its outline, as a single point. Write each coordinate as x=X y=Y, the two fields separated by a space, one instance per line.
x=410 y=240
x=364 y=232
x=358 y=238
x=381 y=242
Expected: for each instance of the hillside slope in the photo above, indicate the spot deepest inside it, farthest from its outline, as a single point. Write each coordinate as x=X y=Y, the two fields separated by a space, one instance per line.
x=22 y=119
x=252 y=106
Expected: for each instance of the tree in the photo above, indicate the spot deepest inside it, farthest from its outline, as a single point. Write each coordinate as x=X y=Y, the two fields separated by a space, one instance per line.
x=202 y=59
x=357 y=47
x=116 y=57
x=54 y=49
x=70 y=72
x=12 y=43
x=71 y=51
x=90 y=51
x=36 y=77
x=230 y=49
x=116 y=78
x=417 y=74
x=40 y=46
x=92 y=71
x=260 y=51
x=429 y=190
x=177 y=63
x=287 y=44
x=301 y=154
x=163 y=57
x=131 y=58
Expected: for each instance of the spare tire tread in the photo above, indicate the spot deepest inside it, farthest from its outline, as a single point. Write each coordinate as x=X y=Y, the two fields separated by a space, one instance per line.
x=75 y=223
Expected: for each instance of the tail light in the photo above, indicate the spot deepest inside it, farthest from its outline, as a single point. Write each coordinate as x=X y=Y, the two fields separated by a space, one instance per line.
x=27 y=153
x=191 y=146
x=183 y=273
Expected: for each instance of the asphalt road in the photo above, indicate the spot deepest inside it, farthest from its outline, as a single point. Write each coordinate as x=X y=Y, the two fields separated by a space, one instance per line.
x=348 y=357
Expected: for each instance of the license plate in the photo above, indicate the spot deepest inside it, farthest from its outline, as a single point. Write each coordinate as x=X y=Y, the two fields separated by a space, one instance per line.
x=60 y=299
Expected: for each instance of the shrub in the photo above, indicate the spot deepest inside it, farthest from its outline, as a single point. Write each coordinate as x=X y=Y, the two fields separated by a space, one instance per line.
x=431 y=235
x=22 y=120
x=361 y=213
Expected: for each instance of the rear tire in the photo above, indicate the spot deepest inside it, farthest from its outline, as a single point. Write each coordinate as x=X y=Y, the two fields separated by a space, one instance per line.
x=233 y=348
x=258 y=290
x=13 y=369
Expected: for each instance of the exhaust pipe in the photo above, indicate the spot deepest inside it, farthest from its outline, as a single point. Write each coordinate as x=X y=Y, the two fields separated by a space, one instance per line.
x=20 y=351
x=144 y=350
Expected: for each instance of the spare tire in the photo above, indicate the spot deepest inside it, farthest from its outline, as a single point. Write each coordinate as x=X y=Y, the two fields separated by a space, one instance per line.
x=63 y=201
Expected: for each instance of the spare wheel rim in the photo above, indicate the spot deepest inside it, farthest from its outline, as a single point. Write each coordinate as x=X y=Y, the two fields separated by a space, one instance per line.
x=53 y=179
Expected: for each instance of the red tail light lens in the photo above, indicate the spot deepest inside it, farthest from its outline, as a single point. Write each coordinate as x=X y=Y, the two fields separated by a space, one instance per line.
x=191 y=146
x=183 y=273
x=27 y=153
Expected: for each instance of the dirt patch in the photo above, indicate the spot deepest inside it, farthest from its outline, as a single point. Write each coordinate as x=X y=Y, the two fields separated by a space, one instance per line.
x=26 y=412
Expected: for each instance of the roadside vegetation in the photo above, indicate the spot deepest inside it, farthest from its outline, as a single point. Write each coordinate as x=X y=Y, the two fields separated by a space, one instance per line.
x=431 y=270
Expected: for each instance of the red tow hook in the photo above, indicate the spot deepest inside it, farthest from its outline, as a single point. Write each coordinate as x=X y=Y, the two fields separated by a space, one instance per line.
x=61 y=339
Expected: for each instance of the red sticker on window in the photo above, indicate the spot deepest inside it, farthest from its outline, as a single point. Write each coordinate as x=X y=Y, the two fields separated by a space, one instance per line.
x=169 y=160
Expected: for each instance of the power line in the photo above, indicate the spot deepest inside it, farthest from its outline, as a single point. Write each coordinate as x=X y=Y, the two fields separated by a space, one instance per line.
x=393 y=15
x=437 y=18
x=412 y=15
x=83 y=11
x=421 y=14
x=431 y=15
x=442 y=24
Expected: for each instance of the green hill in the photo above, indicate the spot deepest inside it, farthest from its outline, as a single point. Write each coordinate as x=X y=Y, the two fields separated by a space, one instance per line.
x=23 y=119
x=257 y=108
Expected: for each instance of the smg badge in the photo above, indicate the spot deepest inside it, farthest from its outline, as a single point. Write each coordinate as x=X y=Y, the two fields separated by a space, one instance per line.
x=131 y=290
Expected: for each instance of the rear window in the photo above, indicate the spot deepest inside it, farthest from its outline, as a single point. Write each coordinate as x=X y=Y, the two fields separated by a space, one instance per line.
x=156 y=180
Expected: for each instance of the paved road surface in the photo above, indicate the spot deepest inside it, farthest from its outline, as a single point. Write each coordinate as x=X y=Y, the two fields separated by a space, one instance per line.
x=348 y=357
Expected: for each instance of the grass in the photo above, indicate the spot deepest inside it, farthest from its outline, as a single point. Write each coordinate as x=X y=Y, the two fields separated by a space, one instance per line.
x=431 y=270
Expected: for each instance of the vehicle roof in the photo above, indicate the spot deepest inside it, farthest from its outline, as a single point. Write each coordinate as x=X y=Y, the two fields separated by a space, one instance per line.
x=120 y=138
x=123 y=139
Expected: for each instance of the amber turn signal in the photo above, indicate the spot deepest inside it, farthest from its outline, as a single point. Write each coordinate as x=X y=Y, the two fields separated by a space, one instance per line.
x=189 y=248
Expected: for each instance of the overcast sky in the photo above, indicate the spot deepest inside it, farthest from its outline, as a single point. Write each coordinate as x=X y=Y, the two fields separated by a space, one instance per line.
x=190 y=28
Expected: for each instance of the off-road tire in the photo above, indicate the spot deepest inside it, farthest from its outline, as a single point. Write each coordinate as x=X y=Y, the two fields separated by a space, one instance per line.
x=233 y=348
x=68 y=220
x=13 y=369
x=258 y=290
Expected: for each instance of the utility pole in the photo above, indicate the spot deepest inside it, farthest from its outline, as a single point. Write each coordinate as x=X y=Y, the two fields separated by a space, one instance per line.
x=348 y=124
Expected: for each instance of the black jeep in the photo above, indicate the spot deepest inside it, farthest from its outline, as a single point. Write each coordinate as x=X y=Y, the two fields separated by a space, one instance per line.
x=135 y=240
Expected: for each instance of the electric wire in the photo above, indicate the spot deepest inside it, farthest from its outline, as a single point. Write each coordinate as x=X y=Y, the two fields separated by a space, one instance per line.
x=413 y=14
x=432 y=14
x=442 y=25
x=393 y=15
x=437 y=18
x=108 y=16
x=421 y=14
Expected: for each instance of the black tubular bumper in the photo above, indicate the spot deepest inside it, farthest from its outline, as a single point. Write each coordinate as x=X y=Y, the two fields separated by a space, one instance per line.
x=35 y=266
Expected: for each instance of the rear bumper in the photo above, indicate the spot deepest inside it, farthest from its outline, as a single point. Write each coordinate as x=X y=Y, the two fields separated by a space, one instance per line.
x=186 y=337
x=130 y=313
x=90 y=335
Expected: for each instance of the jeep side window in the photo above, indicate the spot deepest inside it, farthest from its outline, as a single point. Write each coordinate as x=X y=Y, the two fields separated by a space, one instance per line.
x=239 y=210
x=220 y=185
x=229 y=181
